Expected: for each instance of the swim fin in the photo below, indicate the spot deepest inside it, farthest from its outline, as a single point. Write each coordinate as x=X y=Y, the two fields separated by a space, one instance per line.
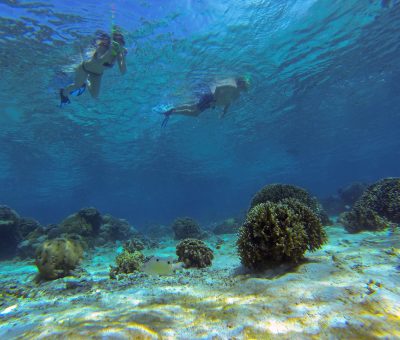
x=166 y=119
x=79 y=91
x=64 y=99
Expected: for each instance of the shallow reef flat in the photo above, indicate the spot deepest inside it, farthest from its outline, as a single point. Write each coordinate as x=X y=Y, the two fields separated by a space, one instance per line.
x=349 y=289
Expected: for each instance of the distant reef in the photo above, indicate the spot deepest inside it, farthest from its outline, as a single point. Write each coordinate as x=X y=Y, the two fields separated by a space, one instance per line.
x=23 y=236
x=377 y=208
x=13 y=229
x=344 y=199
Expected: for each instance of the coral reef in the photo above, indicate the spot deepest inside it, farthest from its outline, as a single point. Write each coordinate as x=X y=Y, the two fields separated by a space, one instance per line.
x=229 y=226
x=194 y=253
x=279 y=232
x=114 y=229
x=8 y=230
x=186 y=227
x=133 y=245
x=58 y=257
x=86 y=222
x=157 y=231
x=130 y=260
x=377 y=208
x=127 y=263
x=350 y=194
x=13 y=229
x=277 y=192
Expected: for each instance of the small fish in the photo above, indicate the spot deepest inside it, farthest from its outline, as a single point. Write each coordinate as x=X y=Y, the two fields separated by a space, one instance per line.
x=158 y=265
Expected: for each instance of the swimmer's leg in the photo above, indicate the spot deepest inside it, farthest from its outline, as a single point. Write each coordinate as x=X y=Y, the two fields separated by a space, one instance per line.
x=187 y=110
x=80 y=79
x=94 y=84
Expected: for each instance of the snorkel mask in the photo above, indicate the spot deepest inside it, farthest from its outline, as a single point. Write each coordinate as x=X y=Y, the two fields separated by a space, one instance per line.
x=118 y=43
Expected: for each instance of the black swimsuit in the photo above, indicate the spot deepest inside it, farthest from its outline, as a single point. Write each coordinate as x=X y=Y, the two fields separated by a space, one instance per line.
x=90 y=72
x=205 y=101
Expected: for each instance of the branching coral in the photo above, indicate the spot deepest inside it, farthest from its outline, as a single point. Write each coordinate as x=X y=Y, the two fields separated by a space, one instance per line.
x=58 y=257
x=378 y=207
x=278 y=232
x=194 y=253
x=277 y=192
x=129 y=261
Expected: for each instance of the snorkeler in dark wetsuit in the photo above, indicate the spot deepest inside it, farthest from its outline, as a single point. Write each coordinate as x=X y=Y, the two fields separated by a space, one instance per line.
x=89 y=73
x=222 y=94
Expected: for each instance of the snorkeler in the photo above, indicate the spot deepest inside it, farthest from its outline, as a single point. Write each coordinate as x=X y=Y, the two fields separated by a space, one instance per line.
x=89 y=73
x=221 y=94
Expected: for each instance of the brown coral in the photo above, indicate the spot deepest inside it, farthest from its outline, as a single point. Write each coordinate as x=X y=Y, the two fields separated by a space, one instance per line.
x=58 y=257
x=194 y=253
x=278 y=232
x=277 y=192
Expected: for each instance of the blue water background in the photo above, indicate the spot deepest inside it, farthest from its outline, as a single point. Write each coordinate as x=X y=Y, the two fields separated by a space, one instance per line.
x=323 y=109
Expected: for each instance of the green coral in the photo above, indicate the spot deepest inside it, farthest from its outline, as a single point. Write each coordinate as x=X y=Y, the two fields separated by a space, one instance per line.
x=194 y=253
x=277 y=192
x=377 y=208
x=278 y=232
x=129 y=261
x=186 y=227
x=58 y=257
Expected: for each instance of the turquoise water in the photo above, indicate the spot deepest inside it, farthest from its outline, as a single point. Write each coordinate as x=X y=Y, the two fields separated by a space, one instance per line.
x=322 y=110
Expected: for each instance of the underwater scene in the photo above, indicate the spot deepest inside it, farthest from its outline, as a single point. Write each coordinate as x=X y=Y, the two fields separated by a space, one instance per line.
x=196 y=169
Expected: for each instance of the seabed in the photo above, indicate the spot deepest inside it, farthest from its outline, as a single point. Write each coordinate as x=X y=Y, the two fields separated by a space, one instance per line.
x=349 y=289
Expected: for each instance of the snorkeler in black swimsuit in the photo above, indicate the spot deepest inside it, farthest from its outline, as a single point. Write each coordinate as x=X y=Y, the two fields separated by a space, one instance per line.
x=223 y=94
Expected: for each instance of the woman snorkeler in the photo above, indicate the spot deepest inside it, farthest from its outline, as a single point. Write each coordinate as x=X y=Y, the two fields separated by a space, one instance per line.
x=109 y=50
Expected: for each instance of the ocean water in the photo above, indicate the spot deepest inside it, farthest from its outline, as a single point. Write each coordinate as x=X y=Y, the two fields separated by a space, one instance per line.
x=322 y=111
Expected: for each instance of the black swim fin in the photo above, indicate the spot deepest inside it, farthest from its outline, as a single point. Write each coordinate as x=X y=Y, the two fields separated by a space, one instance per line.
x=64 y=99
x=166 y=119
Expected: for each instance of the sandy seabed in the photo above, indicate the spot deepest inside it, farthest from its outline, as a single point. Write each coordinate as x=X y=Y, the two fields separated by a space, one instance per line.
x=349 y=289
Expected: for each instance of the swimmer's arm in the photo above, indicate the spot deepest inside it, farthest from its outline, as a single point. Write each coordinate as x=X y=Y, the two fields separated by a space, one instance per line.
x=225 y=111
x=121 y=61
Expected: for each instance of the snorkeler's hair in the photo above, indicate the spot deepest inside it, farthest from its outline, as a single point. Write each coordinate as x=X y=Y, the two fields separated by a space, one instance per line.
x=242 y=82
x=102 y=38
x=118 y=36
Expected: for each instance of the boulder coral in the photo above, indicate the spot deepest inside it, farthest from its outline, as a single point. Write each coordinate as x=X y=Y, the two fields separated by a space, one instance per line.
x=114 y=229
x=194 y=253
x=58 y=257
x=377 y=208
x=279 y=232
x=86 y=222
x=277 y=192
x=186 y=227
